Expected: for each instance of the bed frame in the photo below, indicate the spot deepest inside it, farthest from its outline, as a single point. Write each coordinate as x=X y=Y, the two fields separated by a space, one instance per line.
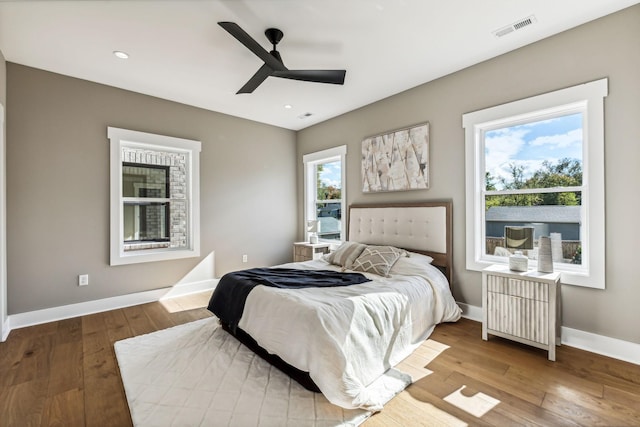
x=419 y=227
x=424 y=227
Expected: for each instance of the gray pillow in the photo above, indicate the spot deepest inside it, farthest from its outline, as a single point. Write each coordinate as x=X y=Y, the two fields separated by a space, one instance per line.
x=378 y=259
x=345 y=254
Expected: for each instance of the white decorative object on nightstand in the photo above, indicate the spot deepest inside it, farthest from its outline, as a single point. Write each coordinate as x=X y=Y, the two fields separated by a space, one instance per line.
x=518 y=262
x=522 y=306
x=305 y=251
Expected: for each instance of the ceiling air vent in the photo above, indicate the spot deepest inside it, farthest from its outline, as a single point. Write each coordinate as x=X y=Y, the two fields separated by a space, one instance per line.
x=529 y=20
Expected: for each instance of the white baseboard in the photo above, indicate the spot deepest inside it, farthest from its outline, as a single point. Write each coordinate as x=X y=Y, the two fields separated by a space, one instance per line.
x=606 y=346
x=37 y=317
x=5 y=330
x=471 y=312
x=190 y=288
x=599 y=344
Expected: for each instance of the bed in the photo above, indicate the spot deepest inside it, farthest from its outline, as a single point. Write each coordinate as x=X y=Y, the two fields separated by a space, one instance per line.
x=340 y=339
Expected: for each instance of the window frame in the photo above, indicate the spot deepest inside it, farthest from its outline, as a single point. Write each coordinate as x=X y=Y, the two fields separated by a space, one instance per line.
x=310 y=161
x=120 y=138
x=589 y=98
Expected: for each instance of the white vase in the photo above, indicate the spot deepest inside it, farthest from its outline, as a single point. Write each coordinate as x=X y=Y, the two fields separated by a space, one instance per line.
x=545 y=259
x=556 y=246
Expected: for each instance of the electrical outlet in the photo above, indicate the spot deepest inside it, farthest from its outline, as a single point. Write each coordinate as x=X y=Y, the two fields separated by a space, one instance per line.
x=245 y=258
x=83 y=280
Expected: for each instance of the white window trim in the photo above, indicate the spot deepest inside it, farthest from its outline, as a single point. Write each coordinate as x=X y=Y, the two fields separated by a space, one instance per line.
x=591 y=95
x=4 y=316
x=127 y=138
x=309 y=161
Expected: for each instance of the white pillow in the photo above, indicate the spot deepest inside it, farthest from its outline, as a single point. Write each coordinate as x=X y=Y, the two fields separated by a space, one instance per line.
x=411 y=264
x=414 y=256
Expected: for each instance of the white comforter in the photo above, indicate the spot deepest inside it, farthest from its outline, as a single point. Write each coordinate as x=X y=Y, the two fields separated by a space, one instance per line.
x=346 y=337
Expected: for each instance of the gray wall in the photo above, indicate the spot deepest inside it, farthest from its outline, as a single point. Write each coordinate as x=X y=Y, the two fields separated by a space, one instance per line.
x=3 y=80
x=3 y=284
x=58 y=188
x=607 y=47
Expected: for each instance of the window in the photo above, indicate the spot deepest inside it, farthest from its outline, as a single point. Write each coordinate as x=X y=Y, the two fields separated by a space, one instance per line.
x=535 y=167
x=145 y=191
x=154 y=197
x=324 y=194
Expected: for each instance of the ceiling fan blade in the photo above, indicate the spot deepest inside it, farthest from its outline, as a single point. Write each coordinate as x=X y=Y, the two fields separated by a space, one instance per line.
x=318 y=76
x=255 y=47
x=255 y=81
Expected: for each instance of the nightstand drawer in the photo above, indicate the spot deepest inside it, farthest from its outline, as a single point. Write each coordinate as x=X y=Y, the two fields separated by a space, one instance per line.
x=517 y=316
x=518 y=287
x=304 y=251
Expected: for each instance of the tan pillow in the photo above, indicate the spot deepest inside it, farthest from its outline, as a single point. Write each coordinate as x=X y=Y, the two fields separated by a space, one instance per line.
x=378 y=259
x=345 y=254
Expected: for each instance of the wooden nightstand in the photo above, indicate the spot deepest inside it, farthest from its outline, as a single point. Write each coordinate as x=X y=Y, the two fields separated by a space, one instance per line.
x=305 y=251
x=522 y=306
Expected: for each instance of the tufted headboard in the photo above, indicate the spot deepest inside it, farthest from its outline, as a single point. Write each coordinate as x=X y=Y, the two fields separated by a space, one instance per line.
x=423 y=227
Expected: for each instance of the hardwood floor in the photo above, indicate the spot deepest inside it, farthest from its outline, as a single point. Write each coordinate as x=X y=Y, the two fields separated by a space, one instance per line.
x=65 y=373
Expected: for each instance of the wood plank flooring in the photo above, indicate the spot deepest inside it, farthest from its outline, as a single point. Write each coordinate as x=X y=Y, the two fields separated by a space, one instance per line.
x=65 y=373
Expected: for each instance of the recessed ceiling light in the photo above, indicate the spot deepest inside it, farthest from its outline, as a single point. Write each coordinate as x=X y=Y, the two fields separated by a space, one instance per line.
x=288 y=106
x=120 y=54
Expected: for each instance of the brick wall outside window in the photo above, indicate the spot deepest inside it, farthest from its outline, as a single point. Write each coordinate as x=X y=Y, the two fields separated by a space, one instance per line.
x=177 y=163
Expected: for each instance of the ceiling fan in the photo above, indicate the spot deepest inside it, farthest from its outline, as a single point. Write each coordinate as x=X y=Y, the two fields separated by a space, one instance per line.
x=273 y=65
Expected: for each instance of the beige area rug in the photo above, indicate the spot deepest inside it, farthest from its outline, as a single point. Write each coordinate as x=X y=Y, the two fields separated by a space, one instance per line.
x=197 y=374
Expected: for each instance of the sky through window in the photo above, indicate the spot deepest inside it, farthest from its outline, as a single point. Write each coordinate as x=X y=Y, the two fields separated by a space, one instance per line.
x=530 y=144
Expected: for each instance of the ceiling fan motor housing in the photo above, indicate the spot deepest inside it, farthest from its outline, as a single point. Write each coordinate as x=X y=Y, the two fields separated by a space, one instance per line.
x=274 y=35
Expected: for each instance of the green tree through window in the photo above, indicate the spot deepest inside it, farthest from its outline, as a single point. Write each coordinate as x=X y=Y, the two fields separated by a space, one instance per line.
x=565 y=172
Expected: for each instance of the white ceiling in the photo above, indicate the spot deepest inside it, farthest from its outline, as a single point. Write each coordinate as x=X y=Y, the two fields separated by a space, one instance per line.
x=178 y=52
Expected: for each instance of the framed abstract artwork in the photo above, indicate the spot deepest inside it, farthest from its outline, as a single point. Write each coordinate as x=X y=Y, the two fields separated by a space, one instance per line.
x=397 y=160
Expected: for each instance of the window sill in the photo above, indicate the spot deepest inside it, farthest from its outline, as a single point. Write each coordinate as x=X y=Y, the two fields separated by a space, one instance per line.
x=128 y=247
x=151 y=255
